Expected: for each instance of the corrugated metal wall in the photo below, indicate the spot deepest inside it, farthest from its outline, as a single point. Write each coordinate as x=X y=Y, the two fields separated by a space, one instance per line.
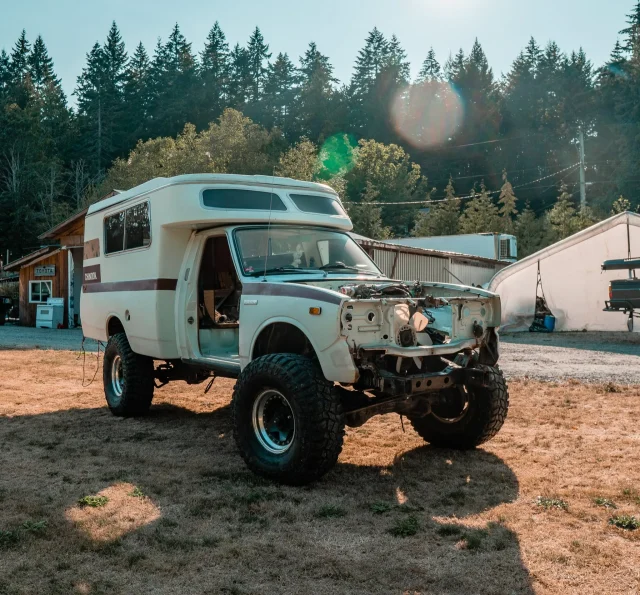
x=410 y=266
x=472 y=273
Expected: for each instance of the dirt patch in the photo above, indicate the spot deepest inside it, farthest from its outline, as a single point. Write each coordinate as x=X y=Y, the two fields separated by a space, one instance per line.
x=184 y=515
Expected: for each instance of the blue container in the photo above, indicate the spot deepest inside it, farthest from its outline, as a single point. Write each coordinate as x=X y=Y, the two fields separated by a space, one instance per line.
x=550 y=323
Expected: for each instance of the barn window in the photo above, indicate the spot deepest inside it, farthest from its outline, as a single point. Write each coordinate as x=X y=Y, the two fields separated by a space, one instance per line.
x=39 y=291
x=128 y=230
x=239 y=198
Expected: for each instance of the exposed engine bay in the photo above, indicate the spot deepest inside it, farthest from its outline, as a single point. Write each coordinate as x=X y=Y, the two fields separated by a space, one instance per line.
x=412 y=339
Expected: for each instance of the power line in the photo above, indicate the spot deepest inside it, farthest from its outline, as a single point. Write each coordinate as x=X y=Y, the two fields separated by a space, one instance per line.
x=435 y=201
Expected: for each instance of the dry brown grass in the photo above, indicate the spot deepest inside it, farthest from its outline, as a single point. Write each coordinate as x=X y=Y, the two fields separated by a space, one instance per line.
x=199 y=522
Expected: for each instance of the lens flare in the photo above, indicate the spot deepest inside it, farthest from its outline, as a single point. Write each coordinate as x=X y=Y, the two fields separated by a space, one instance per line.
x=427 y=114
x=336 y=154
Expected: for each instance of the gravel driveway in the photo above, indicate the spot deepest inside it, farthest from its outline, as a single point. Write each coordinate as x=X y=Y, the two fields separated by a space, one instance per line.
x=590 y=357
x=24 y=337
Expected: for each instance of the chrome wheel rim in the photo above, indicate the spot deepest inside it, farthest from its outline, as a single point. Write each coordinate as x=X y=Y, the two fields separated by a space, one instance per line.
x=117 y=377
x=457 y=418
x=273 y=420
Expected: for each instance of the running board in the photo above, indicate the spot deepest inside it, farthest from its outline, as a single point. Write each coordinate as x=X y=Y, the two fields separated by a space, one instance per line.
x=220 y=367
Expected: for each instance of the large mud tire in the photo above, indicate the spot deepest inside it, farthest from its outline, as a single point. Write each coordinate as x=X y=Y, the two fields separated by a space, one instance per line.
x=487 y=411
x=312 y=442
x=128 y=378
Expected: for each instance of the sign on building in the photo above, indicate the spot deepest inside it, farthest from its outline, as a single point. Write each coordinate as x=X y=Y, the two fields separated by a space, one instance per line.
x=48 y=270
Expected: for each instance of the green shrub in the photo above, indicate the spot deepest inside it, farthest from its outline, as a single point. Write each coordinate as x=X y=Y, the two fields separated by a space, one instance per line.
x=93 y=501
x=405 y=527
x=624 y=521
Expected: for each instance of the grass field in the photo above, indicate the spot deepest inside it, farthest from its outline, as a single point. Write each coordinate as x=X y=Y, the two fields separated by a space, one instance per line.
x=90 y=503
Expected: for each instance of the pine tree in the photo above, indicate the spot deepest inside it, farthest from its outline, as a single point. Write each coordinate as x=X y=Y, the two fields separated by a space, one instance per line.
x=90 y=94
x=280 y=92
x=41 y=65
x=396 y=60
x=530 y=231
x=562 y=216
x=632 y=31
x=20 y=87
x=175 y=83
x=258 y=56
x=5 y=76
x=443 y=218
x=621 y=205
x=480 y=214
x=240 y=83
x=507 y=201
x=214 y=72
x=430 y=70
x=367 y=218
x=315 y=113
x=137 y=93
x=20 y=59
x=369 y=66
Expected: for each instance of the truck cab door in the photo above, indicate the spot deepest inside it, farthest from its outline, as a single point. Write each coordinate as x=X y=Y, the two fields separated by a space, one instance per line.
x=186 y=313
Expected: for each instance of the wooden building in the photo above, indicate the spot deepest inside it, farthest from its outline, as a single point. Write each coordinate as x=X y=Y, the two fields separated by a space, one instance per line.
x=55 y=270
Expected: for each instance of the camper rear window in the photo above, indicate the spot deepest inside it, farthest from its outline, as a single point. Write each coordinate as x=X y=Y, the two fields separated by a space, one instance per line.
x=127 y=230
x=315 y=203
x=238 y=198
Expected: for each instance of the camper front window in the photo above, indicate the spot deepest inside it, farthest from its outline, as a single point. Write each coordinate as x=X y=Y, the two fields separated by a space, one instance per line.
x=39 y=291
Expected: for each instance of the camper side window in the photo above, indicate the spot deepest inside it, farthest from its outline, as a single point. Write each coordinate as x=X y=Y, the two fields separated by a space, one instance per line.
x=114 y=233
x=128 y=230
x=138 y=227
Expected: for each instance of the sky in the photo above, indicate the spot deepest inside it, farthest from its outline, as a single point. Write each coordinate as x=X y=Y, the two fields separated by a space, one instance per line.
x=339 y=27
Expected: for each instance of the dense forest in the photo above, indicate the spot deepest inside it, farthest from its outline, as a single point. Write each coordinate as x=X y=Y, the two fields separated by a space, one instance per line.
x=458 y=150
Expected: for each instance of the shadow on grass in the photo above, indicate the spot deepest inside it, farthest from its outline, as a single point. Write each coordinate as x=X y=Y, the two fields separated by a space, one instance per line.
x=362 y=529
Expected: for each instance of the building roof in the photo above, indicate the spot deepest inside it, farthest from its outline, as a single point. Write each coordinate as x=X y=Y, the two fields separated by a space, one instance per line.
x=31 y=258
x=389 y=245
x=59 y=229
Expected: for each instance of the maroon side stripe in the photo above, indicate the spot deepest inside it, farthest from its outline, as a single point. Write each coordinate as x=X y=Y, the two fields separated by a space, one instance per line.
x=291 y=290
x=140 y=285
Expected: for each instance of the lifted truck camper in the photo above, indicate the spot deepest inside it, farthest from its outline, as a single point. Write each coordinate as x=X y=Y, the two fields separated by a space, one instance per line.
x=256 y=278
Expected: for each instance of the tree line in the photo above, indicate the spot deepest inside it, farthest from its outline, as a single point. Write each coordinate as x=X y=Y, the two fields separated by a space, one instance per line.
x=468 y=150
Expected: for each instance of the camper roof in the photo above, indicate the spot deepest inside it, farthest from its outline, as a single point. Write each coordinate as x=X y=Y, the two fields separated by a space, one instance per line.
x=158 y=183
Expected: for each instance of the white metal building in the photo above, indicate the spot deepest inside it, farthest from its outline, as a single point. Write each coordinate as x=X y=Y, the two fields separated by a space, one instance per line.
x=495 y=246
x=573 y=284
x=409 y=263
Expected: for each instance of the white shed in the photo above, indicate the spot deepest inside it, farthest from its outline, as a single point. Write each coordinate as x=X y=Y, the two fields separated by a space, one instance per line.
x=571 y=280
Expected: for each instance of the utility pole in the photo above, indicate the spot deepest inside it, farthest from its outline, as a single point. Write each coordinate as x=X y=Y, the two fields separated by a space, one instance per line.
x=583 y=183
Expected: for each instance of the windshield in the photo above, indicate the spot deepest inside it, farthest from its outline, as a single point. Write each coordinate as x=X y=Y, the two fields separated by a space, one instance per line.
x=293 y=249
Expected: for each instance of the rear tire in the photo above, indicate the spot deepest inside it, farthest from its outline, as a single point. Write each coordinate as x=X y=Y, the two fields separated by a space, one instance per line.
x=128 y=378
x=287 y=418
x=486 y=411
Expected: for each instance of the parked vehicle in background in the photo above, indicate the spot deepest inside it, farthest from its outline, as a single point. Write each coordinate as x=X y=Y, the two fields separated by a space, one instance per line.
x=624 y=294
x=256 y=278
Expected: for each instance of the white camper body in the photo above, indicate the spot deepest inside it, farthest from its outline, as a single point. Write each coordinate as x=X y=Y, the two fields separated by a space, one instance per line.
x=139 y=286
x=256 y=278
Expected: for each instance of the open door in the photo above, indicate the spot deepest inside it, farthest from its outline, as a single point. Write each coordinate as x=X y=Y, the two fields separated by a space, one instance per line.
x=219 y=292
